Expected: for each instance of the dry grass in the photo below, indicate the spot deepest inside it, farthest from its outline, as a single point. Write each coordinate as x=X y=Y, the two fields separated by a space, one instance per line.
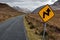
x=30 y=33
x=4 y=17
x=53 y=25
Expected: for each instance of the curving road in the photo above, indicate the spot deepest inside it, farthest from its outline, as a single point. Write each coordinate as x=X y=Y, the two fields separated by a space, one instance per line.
x=13 y=29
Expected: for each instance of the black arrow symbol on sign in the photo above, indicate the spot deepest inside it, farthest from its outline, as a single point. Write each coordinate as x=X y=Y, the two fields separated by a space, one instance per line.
x=46 y=13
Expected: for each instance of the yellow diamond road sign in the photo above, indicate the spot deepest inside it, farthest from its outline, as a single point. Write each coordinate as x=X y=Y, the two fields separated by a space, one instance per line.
x=46 y=13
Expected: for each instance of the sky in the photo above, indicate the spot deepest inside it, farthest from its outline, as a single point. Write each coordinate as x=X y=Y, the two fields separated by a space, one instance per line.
x=30 y=4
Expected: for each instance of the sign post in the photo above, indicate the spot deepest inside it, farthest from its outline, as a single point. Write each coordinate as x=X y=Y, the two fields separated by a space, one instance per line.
x=46 y=13
x=44 y=31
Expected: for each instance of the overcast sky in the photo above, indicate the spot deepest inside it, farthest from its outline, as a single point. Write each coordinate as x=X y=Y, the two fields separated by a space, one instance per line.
x=24 y=0
x=30 y=4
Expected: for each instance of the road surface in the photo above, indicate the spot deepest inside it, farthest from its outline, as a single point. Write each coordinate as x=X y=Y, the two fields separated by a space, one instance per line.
x=13 y=29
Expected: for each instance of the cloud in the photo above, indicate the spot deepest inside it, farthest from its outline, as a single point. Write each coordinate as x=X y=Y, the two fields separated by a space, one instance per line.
x=24 y=0
x=10 y=0
x=43 y=0
x=53 y=0
x=31 y=4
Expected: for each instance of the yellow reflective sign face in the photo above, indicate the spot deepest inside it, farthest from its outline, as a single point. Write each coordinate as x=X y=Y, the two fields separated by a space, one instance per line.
x=46 y=13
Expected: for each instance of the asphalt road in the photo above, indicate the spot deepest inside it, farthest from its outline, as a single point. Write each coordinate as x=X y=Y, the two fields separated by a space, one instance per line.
x=13 y=29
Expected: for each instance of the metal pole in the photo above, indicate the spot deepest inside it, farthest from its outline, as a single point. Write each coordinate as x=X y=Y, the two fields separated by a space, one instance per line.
x=44 y=31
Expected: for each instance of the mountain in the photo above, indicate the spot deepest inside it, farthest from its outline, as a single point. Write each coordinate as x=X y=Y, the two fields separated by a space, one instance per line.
x=25 y=10
x=55 y=6
x=6 y=12
x=37 y=10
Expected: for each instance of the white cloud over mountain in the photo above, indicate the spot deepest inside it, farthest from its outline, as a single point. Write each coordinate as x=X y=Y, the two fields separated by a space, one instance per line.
x=30 y=4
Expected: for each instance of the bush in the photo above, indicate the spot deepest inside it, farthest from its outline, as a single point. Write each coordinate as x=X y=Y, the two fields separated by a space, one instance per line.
x=32 y=26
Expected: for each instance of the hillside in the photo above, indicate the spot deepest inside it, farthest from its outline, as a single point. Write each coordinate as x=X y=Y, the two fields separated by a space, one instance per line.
x=53 y=25
x=6 y=12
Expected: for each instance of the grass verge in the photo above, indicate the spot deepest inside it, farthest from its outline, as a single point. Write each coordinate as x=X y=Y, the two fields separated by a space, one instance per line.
x=30 y=33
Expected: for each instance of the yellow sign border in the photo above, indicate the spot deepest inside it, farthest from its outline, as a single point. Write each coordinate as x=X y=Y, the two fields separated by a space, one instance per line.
x=42 y=8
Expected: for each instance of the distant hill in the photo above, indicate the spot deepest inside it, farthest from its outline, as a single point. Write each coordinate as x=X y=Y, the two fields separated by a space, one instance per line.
x=25 y=10
x=6 y=12
x=55 y=6
x=37 y=10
